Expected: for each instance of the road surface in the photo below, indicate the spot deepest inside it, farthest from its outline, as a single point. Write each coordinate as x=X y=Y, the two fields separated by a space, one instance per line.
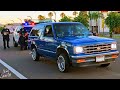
x=23 y=67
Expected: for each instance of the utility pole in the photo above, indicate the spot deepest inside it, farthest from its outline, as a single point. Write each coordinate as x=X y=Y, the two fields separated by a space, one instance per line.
x=55 y=15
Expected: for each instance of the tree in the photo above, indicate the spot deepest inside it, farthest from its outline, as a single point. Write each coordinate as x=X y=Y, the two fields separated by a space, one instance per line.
x=50 y=14
x=62 y=15
x=83 y=18
x=95 y=16
x=65 y=19
x=112 y=21
x=75 y=13
x=40 y=17
x=90 y=18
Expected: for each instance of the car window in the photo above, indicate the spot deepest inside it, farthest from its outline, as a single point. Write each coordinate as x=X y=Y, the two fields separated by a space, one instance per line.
x=18 y=28
x=48 y=31
x=37 y=30
x=35 y=33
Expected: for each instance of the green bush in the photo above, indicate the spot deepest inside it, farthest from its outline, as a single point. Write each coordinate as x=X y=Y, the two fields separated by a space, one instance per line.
x=65 y=19
x=1 y=28
x=113 y=21
x=83 y=18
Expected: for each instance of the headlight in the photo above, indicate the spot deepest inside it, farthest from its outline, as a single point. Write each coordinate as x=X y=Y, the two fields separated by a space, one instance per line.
x=78 y=50
x=113 y=46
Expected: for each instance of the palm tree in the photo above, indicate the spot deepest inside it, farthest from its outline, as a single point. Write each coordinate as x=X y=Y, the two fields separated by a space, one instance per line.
x=90 y=18
x=95 y=16
x=62 y=15
x=50 y=14
x=40 y=17
x=84 y=12
x=75 y=13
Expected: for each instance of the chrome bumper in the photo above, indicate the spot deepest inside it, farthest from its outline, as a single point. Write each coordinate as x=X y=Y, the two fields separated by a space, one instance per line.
x=93 y=55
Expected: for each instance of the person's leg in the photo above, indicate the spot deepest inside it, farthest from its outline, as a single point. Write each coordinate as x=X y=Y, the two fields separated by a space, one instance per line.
x=8 y=43
x=4 y=43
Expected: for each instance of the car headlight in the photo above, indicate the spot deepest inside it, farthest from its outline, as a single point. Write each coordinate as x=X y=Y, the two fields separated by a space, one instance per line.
x=78 y=49
x=113 y=46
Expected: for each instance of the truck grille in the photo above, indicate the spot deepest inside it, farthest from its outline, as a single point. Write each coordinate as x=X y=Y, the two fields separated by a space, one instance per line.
x=97 y=48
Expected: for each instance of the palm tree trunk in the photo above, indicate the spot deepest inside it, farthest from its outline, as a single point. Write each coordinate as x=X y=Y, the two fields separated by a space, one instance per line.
x=91 y=25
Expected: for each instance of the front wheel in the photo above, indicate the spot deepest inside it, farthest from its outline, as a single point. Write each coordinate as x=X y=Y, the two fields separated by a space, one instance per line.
x=35 y=55
x=104 y=65
x=63 y=63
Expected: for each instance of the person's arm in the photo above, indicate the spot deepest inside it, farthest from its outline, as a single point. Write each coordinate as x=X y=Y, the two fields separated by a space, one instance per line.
x=9 y=31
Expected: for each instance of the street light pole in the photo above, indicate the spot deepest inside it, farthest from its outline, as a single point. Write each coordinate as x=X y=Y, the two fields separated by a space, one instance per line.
x=55 y=15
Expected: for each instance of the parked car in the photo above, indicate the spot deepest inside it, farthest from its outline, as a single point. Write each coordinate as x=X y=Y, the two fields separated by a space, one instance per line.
x=17 y=30
x=71 y=44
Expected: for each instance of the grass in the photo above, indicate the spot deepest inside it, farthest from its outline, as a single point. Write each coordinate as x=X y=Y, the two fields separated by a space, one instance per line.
x=115 y=36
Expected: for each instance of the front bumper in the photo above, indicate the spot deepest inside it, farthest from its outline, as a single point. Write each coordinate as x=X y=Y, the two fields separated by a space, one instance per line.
x=90 y=60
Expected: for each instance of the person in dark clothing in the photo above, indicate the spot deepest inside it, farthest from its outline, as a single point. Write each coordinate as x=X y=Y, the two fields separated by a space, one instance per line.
x=5 y=33
x=22 y=39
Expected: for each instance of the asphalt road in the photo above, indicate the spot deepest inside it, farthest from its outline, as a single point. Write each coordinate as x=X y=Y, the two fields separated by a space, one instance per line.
x=22 y=62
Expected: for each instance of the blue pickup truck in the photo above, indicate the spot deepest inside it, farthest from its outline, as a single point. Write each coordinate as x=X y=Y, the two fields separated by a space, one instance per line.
x=71 y=44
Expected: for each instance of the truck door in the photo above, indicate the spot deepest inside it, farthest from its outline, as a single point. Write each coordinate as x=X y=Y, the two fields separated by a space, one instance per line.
x=50 y=42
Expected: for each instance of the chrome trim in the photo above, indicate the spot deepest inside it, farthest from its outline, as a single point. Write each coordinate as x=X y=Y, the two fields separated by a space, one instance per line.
x=63 y=47
x=47 y=51
x=92 y=55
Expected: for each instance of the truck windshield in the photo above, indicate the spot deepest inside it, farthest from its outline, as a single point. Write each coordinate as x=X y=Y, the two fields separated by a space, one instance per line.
x=70 y=29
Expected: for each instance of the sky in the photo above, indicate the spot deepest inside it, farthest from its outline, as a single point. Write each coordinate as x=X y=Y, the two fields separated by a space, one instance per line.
x=17 y=16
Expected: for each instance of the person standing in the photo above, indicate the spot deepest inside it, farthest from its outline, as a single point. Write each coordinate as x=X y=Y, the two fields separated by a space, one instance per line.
x=5 y=33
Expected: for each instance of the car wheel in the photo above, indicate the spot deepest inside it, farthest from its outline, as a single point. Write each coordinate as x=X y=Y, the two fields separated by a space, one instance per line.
x=35 y=55
x=62 y=63
x=14 y=43
x=104 y=65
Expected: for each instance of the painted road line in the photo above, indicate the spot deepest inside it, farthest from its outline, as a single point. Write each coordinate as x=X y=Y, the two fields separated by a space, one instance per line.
x=13 y=70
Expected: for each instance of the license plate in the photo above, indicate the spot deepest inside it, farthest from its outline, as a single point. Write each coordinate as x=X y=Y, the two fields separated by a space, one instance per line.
x=100 y=58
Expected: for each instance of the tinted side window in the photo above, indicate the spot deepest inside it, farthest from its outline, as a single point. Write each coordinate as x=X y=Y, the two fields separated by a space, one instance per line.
x=35 y=33
x=48 y=31
x=37 y=30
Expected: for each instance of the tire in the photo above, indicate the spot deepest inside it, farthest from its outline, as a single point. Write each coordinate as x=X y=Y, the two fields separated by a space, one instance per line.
x=104 y=65
x=63 y=62
x=14 y=43
x=35 y=55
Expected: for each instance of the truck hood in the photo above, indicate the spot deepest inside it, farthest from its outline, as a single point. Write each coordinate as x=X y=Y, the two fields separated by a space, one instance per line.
x=86 y=40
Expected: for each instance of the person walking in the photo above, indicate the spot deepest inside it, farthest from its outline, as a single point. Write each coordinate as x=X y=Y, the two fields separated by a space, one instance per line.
x=5 y=33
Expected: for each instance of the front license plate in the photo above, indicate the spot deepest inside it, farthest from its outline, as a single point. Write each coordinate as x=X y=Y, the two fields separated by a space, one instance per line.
x=100 y=58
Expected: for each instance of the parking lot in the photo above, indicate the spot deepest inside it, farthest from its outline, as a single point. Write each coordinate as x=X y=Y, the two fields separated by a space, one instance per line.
x=23 y=67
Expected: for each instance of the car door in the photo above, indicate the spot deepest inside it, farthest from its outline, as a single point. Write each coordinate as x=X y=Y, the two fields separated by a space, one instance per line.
x=49 y=41
x=36 y=37
x=16 y=34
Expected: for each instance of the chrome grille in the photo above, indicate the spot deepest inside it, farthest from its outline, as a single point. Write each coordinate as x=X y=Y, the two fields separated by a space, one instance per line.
x=97 y=48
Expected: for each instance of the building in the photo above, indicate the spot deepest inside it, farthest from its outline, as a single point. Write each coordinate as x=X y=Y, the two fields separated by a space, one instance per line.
x=101 y=26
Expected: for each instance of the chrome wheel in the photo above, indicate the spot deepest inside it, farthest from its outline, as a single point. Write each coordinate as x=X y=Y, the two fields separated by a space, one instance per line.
x=33 y=54
x=61 y=63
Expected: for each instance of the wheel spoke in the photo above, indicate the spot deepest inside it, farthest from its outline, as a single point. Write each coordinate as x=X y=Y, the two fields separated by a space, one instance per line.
x=33 y=54
x=61 y=63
